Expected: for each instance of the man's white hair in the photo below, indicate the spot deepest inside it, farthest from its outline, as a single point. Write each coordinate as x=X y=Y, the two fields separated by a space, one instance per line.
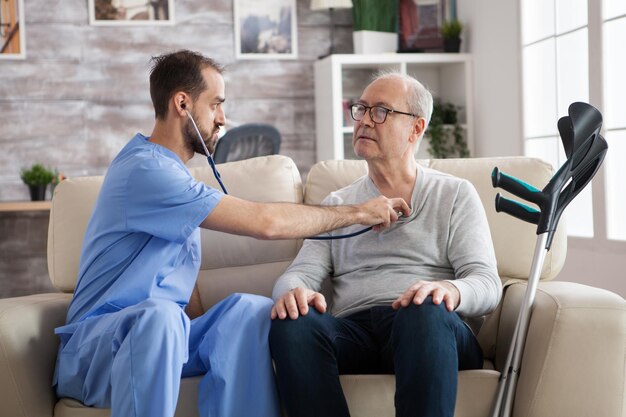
x=419 y=100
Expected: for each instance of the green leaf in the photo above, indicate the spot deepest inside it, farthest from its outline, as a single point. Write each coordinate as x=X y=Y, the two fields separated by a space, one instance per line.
x=377 y=15
x=446 y=141
x=37 y=175
x=451 y=29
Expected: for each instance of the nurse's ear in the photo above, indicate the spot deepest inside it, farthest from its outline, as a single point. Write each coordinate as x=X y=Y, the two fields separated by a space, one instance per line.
x=180 y=103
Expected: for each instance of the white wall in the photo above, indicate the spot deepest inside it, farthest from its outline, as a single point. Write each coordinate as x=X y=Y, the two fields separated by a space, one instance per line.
x=603 y=267
x=492 y=35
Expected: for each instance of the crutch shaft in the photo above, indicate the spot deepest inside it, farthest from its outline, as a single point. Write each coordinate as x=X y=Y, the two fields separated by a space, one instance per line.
x=508 y=381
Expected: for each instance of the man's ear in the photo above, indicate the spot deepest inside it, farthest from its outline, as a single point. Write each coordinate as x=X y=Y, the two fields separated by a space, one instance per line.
x=181 y=102
x=419 y=125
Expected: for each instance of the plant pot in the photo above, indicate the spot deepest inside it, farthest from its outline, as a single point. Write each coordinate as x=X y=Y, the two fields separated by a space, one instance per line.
x=37 y=192
x=373 y=42
x=452 y=45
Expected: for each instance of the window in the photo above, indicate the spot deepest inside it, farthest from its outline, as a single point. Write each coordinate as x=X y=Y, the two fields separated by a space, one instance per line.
x=555 y=74
x=557 y=36
x=614 y=68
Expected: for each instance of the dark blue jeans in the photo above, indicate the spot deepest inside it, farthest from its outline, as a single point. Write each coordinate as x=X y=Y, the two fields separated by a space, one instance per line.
x=424 y=346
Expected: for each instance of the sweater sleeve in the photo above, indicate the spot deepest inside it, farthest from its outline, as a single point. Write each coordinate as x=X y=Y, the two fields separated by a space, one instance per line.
x=471 y=254
x=312 y=265
x=309 y=269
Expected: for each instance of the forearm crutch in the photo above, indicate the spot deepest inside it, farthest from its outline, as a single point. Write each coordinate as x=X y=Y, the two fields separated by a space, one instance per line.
x=585 y=149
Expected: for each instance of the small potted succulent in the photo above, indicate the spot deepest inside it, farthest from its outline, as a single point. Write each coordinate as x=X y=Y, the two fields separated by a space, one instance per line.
x=37 y=178
x=451 y=34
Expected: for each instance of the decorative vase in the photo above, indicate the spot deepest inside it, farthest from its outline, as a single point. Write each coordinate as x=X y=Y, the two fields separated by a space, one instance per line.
x=37 y=192
x=374 y=42
x=452 y=45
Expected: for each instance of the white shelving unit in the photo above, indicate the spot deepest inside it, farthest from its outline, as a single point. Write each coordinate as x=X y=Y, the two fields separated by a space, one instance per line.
x=343 y=77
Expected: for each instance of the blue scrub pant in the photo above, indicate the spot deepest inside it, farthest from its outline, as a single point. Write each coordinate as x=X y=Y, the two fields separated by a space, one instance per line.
x=424 y=346
x=132 y=360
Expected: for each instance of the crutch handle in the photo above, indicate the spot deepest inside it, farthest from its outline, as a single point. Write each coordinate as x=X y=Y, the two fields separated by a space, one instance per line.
x=516 y=209
x=515 y=186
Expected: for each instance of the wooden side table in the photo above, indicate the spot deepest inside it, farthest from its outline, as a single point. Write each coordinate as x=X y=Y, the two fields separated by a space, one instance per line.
x=23 y=253
x=17 y=206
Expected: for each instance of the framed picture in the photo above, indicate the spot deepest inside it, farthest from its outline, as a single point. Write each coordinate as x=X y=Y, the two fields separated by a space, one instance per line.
x=265 y=31
x=419 y=25
x=12 y=43
x=131 y=12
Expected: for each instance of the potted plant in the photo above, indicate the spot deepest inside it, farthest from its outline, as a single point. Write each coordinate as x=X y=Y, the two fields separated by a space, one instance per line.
x=451 y=33
x=445 y=135
x=37 y=178
x=375 y=26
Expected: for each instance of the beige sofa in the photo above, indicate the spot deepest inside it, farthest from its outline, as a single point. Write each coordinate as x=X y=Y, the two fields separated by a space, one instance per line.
x=574 y=359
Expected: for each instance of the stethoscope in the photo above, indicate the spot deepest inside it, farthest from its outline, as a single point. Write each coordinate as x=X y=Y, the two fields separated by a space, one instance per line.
x=219 y=180
x=206 y=151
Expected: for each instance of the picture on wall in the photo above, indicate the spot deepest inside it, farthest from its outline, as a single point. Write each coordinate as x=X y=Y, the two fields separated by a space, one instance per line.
x=131 y=12
x=419 y=25
x=267 y=31
x=12 y=45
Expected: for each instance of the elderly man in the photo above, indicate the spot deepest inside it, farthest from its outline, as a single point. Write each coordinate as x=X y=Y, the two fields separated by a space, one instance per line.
x=127 y=341
x=398 y=296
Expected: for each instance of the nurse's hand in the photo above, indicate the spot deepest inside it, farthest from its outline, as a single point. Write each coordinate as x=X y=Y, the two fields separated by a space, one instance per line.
x=382 y=212
x=296 y=302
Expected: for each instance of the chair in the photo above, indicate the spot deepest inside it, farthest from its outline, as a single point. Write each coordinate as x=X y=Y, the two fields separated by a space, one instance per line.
x=247 y=141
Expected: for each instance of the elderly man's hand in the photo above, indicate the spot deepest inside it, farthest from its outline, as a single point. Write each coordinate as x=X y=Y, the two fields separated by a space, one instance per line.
x=296 y=302
x=439 y=290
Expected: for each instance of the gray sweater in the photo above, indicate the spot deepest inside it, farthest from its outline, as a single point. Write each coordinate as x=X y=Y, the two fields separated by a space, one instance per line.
x=446 y=237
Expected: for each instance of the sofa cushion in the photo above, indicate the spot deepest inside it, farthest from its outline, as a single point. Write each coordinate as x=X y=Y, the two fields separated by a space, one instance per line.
x=367 y=396
x=187 y=405
x=514 y=240
x=71 y=209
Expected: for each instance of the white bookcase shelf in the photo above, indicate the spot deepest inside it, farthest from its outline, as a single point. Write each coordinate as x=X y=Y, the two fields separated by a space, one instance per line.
x=342 y=78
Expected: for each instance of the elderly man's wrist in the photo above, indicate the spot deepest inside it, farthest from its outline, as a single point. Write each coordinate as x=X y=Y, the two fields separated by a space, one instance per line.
x=455 y=290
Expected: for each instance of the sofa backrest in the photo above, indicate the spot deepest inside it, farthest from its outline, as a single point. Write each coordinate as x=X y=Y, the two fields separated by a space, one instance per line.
x=514 y=240
x=241 y=264
x=229 y=263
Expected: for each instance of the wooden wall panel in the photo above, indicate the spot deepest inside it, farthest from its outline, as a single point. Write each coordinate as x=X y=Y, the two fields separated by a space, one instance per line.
x=82 y=93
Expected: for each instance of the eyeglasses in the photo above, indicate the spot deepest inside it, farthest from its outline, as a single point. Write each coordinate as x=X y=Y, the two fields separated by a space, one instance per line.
x=378 y=114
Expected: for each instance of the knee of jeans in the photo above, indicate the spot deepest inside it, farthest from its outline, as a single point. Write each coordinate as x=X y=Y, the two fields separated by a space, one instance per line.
x=295 y=334
x=426 y=316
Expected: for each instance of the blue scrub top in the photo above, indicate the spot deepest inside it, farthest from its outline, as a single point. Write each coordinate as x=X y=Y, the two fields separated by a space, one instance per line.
x=142 y=240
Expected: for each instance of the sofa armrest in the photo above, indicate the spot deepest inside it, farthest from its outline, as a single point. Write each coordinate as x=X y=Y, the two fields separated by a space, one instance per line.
x=574 y=359
x=28 y=348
